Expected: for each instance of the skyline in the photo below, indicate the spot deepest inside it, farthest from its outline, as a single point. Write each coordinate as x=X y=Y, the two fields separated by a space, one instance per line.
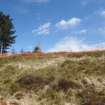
x=59 y=25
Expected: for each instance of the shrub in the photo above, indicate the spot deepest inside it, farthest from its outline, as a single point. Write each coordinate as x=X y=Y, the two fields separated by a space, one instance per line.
x=33 y=82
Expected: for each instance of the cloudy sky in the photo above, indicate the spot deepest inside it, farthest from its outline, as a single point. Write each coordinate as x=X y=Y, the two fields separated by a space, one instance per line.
x=58 y=25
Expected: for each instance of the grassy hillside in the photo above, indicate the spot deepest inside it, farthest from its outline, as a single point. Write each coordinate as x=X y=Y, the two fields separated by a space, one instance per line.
x=57 y=80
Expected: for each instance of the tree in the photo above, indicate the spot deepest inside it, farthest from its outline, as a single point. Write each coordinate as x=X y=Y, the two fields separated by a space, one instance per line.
x=7 y=37
x=22 y=51
x=13 y=51
x=37 y=49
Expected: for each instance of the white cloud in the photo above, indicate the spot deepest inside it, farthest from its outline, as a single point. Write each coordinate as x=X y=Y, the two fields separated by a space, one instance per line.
x=74 y=44
x=102 y=13
x=81 y=32
x=43 y=29
x=36 y=1
x=64 y=24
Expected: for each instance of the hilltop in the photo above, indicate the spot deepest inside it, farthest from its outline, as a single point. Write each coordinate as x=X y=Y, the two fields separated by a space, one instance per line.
x=63 y=78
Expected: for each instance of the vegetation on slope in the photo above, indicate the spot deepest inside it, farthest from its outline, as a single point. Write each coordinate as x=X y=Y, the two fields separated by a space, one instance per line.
x=67 y=81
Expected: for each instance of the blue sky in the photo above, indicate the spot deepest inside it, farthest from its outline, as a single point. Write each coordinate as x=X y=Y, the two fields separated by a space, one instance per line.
x=58 y=25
